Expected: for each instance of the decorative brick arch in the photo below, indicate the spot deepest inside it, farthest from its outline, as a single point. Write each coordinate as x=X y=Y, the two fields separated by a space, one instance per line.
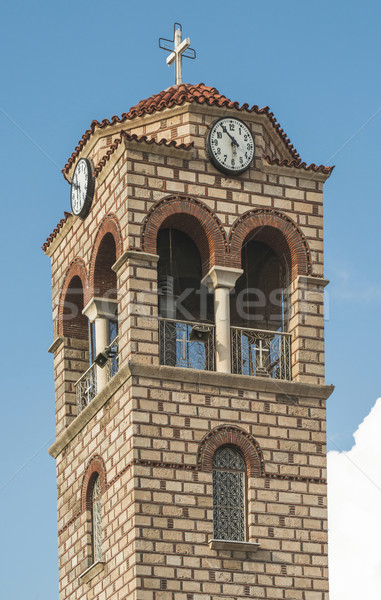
x=229 y=434
x=193 y=218
x=277 y=231
x=109 y=225
x=76 y=269
x=95 y=467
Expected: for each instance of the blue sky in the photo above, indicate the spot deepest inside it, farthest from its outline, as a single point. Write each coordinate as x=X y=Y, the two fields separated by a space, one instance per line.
x=63 y=64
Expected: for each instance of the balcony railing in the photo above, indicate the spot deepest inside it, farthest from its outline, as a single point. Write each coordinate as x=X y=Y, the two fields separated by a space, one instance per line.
x=261 y=353
x=187 y=344
x=86 y=387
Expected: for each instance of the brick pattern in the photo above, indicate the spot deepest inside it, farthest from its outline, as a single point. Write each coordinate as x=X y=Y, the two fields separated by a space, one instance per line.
x=307 y=330
x=193 y=218
x=138 y=310
x=71 y=359
x=71 y=322
x=104 y=254
x=104 y=278
x=229 y=434
x=156 y=515
x=176 y=96
x=95 y=467
x=153 y=436
x=277 y=231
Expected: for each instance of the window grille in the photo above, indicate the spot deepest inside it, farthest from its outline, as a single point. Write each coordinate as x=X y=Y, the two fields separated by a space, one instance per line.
x=229 y=482
x=97 y=521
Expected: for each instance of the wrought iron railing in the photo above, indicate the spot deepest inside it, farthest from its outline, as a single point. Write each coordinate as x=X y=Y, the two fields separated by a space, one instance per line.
x=86 y=387
x=187 y=344
x=261 y=353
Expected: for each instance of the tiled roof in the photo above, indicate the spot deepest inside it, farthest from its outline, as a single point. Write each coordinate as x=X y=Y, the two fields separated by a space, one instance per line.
x=137 y=138
x=103 y=162
x=299 y=165
x=56 y=230
x=175 y=96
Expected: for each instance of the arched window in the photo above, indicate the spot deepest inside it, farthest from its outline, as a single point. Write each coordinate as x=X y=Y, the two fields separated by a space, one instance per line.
x=96 y=520
x=74 y=323
x=229 y=494
x=105 y=280
x=260 y=311
x=259 y=299
x=179 y=277
x=102 y=312
x=105 y=286
x=185 y=307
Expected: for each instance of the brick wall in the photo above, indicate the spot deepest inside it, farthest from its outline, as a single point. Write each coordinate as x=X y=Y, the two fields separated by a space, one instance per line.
x=157 y=503
x=157 y=498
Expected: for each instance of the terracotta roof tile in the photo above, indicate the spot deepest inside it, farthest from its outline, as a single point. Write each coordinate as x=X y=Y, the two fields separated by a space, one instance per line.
x=56 y=230
x=137 y=138
x=175 y=96
x=103 y=162
x=299 y=165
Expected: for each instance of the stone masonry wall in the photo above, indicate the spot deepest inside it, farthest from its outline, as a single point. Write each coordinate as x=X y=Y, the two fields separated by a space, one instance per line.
x=157 y=504
x=157 y=507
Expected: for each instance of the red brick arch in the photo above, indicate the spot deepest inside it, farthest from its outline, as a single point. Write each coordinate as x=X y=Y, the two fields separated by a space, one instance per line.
x=193 y=218
x=110 y=224
x=95 y=467
x=229 y=434
x=76 y=269
x=277 y=231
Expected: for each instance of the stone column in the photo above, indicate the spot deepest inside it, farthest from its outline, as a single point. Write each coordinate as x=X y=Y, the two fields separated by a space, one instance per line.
x=222 y=280
x=138 y=307
x=100 y=311
x=306 y=326
x=71 y=359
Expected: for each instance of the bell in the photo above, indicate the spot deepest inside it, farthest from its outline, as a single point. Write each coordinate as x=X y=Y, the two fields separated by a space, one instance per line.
x=199 y=333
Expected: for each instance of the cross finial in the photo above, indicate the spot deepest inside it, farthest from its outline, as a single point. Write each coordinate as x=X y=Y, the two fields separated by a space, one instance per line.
x=181 y=47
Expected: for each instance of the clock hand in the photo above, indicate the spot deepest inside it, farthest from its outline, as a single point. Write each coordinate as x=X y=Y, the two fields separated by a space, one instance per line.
x=234 y=141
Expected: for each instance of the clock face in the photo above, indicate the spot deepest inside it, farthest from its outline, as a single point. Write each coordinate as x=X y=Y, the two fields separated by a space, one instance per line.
x=230 y=145
x=82 y=188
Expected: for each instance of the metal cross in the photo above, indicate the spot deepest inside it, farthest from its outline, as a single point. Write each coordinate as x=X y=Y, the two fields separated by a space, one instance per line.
x=181 y=47
x=260 y=349
x=184 y=341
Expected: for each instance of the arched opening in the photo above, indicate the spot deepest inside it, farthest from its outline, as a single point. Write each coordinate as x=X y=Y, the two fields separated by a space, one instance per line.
x=101 y=316
x=259 y=299
x=179 y=278
x=229 y=494
x=185 y=306
x=194 y=219
x=260 y=307
x=96 y=519
x=105 y=283
x=93 y=486
x=74 y=323
x=105 y=286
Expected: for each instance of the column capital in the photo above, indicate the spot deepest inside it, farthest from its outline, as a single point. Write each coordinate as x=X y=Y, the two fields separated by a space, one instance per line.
x=135 y=255
x=221 y=277
x=104 y=308
x=309 y=280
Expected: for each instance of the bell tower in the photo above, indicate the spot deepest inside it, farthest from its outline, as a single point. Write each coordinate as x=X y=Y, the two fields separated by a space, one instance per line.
x=188 y=351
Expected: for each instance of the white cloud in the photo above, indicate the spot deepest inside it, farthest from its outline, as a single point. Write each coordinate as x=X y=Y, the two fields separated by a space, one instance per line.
x=354 y=513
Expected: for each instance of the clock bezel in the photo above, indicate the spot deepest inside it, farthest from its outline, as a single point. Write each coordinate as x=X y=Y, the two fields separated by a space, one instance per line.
x=90 y=189
x=214 y=160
